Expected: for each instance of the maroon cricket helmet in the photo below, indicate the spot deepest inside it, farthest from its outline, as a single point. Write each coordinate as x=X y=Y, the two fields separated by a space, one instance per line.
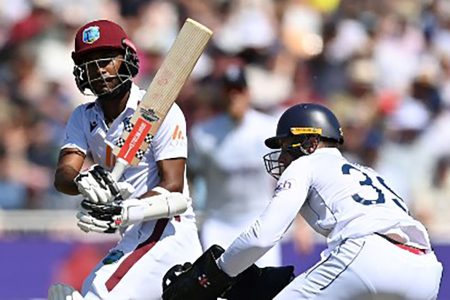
x=100 y=34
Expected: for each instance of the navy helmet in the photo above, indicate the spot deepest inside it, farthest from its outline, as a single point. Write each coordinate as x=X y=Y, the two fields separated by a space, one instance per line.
x=307 y=119
x=301 y=127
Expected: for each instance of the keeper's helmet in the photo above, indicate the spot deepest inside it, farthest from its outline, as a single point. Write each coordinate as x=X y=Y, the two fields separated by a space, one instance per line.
x=98 y=36
x=299 y=131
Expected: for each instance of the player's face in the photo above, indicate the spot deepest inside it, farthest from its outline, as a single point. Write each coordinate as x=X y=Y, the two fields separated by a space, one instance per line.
x=238 y=102
x=286 y=156
x=276 y=162
x=102 y=69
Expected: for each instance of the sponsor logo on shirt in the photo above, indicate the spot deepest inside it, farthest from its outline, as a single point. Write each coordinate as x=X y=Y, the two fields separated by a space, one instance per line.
x=177 y=136
x=283 y=185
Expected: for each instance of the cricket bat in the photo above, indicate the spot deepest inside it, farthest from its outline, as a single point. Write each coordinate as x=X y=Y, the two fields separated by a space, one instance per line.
x=161 y=94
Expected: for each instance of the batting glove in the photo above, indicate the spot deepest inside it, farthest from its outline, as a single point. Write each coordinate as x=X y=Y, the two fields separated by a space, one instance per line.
x=97 y=186
x=98 y=217
x=109 y=217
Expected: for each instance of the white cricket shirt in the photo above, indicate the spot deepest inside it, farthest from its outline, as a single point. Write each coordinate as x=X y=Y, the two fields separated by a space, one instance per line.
x=87 y=131
x=337 y=198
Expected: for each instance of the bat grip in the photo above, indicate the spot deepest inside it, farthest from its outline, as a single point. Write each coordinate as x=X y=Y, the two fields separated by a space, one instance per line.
x=120 y=167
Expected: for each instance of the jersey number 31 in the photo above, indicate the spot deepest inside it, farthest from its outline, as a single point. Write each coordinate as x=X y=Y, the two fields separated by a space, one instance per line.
x=381 y=190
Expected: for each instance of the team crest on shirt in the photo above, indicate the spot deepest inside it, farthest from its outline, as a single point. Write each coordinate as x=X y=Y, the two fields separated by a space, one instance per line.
x=283 y=185
x=91 y=34
x=112 y=257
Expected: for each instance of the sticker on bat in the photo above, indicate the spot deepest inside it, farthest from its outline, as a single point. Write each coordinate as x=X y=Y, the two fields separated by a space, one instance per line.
x=149 y=114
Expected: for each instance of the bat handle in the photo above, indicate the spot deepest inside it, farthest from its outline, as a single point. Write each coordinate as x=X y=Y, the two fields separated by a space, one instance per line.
x=120 y=167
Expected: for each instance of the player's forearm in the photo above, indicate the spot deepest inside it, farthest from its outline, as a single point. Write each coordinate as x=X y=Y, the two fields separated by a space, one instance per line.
x=63 y=182
x=171 y=173
x=235 y=260
x=169 y=187
x=248 y=247
x=262 y=235
x=172 y=186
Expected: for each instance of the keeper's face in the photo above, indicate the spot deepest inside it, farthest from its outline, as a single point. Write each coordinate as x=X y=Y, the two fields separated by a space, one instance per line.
x=288 y=147
x=277 y=161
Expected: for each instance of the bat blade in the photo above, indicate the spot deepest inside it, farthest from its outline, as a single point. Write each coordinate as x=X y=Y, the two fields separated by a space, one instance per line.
x=161 y=94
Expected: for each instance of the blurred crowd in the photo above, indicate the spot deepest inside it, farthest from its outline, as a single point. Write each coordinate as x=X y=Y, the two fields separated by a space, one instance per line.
x=383 y=67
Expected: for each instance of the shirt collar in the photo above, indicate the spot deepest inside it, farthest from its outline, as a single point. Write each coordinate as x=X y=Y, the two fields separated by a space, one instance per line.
x=136 y=95
x=328 y=150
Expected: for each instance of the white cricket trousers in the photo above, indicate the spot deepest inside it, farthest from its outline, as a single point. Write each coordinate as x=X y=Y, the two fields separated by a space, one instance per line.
x=148 y=252
x=368 y=268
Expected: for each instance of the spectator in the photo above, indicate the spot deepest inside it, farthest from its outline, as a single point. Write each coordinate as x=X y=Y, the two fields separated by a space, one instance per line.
x=403 y=146
x=432 y=203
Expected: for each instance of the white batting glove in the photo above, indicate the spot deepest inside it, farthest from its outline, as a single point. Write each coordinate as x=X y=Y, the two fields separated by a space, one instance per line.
x=97 y=186
x=61 y=291
x=88 y=223
x=107 y=218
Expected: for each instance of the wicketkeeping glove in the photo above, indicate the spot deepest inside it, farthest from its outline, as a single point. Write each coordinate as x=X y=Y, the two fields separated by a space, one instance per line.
x=203 y=280
x=97 y=185
x=260 y=283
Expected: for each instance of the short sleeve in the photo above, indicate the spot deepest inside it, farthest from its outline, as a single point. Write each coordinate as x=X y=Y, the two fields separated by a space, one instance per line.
x=171 y=140
x=75 y=137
